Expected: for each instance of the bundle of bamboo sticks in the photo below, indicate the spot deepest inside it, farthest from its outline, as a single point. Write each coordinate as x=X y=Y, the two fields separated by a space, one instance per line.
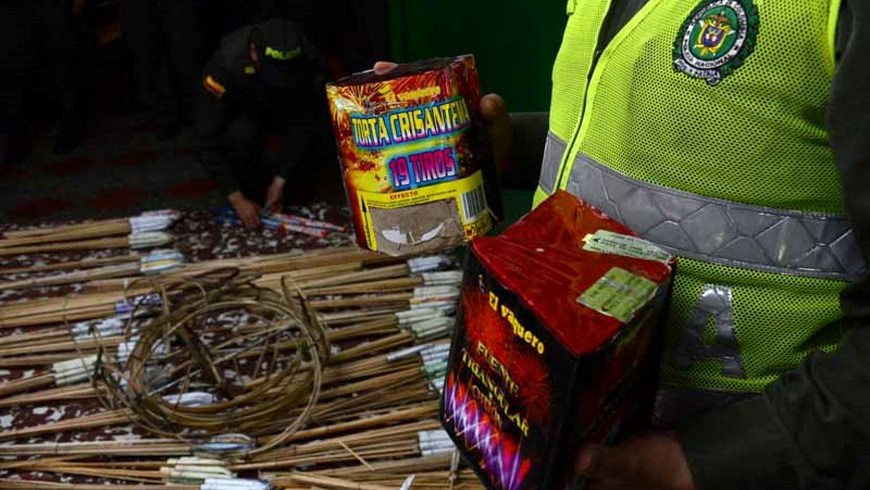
x=143 y=231
x=373 y=424
x=155 y=262
x=145 y=222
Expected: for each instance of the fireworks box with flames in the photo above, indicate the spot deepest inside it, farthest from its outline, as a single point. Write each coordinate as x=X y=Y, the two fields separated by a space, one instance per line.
x=412 y=155
x=558 y=344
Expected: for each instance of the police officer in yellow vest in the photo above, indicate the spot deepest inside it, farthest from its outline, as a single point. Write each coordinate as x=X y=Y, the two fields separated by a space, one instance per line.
x=735 y=133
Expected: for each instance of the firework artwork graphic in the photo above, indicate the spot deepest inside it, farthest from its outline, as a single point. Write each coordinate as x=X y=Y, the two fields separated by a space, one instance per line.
x=543 y=362
x=500 y=456
x=412 y=156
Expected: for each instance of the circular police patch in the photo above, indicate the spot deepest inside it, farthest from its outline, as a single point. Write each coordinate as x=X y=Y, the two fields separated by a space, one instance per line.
x=716 y=39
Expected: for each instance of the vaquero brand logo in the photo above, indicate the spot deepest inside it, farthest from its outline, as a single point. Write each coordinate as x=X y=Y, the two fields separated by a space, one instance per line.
x=716 y=39
x=283 y=55
x=517 y=328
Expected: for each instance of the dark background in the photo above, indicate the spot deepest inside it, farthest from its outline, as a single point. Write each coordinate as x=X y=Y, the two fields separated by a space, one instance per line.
x=123 y=164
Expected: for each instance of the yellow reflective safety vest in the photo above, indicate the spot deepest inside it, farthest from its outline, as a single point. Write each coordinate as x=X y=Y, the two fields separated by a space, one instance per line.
x=701 y=126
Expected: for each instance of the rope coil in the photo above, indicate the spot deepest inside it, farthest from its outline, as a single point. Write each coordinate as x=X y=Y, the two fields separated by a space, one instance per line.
x=247 y=376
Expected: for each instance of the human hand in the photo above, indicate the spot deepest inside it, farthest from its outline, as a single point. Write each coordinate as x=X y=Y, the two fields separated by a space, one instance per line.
x=652 y=462
x=248 y=211
x=495 y=113
x=275 y=196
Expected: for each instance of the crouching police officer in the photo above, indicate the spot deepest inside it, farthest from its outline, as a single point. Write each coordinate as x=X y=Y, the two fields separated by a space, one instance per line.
x=263 y=76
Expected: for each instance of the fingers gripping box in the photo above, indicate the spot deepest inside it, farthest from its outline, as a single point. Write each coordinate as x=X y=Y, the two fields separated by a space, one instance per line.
x=557 y=344
x=412 y=155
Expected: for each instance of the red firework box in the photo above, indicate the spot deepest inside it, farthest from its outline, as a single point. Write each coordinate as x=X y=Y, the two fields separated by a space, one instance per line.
x=558 y=343
x=412 y=155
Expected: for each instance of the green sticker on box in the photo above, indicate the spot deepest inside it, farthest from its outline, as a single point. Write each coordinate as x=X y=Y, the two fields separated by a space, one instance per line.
x=607 y=242
x=619 y=294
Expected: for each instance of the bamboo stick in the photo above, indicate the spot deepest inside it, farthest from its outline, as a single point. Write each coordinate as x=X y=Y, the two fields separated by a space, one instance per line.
x=74 y=392
x=7 y=484
x=338 y=483
x=78 y=264
x=102 y=419
x=95 y=244
x=144 y=448
x=117 y=223
x=122 y=270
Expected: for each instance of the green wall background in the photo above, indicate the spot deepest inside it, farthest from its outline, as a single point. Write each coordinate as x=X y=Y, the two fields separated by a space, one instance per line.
x=514 y=42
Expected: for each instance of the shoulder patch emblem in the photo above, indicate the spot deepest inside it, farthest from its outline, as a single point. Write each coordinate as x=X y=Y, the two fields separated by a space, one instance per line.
x=716 y=39
x=214 y=87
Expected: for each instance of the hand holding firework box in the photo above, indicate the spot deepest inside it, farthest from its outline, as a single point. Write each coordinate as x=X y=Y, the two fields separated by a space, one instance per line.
x=412 y=155
x=557 y=344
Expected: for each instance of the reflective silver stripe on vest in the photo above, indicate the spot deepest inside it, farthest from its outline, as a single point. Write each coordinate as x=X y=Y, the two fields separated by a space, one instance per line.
x=554 y=151
x=719 y=231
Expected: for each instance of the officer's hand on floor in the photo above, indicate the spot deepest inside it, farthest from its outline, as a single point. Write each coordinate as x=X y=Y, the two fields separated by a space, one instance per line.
x=494 y=111
x=275 y=196
x=248 y=211
x=651 y=462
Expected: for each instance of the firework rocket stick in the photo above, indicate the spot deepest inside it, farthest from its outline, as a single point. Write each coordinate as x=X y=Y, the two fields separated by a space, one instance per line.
x=75 y=392
x=89 y=306
x=137 y=241
x=117 y=417
x=332 y=482
x=87 y=422
x=97 y=244
x=120 y=225
x=6 y=484
x=154 y=263
x=423 y=323
x=63 y=373
x=45 y=351
x=273 y=280
x=78 y=264
x=61 y=346
x=337 y=375
x=36 y=361
x=318 y=266
x=122 y=270
x=146 y=222
x=141 y=448
x=31 y=350
x=59 y=310
x=30 y=464
x=33 y=338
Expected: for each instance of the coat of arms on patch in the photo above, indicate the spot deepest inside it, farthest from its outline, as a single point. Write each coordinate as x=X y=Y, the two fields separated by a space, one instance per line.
x=716 y=39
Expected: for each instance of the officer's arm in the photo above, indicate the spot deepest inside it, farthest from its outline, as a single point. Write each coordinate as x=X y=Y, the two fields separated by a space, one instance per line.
x=527 y=150
x=212 y=115
x=813 y=425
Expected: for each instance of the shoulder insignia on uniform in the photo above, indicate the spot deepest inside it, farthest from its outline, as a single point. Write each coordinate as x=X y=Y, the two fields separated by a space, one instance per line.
x=214 y=87
x=716 y=39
